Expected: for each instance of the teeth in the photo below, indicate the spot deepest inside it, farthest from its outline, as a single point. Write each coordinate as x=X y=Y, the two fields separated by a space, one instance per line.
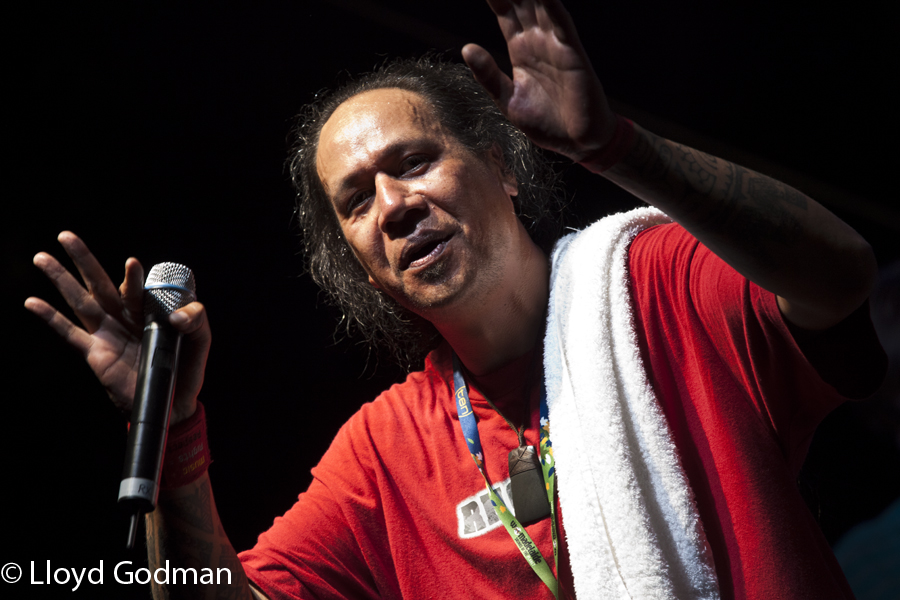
x=426 y=251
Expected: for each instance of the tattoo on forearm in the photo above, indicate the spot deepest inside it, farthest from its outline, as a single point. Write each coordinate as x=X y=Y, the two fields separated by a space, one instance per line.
x=185 y=531
x=700 y=167
x=666 y=166
x=765 y=212
x=194 y=509
x=194 y=551
x=230 y=562
x=765 y=187
x=717 y=196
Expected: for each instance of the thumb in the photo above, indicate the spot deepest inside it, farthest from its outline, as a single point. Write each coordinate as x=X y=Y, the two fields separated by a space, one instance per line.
x=193 y=323
x=498 y=86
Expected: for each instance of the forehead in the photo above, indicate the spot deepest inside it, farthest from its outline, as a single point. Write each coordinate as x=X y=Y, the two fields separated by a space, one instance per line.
x=369 y=124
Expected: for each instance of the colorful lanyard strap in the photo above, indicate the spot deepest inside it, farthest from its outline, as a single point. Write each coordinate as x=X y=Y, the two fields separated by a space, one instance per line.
x=516 y=530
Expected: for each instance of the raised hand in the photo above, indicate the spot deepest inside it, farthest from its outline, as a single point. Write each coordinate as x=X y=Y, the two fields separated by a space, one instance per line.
x=112 y=320
x=554 y=95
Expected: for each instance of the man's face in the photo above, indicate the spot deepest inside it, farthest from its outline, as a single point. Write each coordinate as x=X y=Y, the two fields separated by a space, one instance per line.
x=432 y=223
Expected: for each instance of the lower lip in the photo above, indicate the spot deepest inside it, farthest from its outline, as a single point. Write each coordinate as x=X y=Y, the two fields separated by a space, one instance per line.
x=430 y=257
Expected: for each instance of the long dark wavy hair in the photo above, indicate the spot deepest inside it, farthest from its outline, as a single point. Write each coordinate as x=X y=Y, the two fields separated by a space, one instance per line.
x=467 y=113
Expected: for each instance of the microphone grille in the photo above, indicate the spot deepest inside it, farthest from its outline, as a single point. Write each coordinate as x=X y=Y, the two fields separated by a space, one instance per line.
x=169 y=286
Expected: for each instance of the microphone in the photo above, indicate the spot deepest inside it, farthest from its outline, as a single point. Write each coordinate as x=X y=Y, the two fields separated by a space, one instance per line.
x=169 y=286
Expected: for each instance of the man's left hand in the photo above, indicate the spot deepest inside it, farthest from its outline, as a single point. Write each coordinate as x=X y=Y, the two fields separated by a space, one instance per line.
x=554 y=95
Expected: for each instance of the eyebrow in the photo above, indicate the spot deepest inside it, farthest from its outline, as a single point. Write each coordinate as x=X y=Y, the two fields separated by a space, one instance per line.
x=351 y=180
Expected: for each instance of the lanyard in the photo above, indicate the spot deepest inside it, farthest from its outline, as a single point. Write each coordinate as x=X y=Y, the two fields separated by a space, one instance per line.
x=517 y=532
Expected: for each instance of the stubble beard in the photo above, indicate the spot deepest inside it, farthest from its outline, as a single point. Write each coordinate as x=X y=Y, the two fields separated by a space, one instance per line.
x=474 y=288
x=433 y=275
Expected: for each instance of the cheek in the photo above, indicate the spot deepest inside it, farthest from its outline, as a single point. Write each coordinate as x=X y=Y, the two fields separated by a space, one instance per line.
x=366 y=246
x=487 y=198
x=457 y=188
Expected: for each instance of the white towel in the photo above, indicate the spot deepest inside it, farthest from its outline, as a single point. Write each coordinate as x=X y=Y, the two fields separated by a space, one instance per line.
x=632 y=527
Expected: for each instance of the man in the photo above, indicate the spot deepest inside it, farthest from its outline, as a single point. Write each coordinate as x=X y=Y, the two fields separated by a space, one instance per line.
x=430 y=216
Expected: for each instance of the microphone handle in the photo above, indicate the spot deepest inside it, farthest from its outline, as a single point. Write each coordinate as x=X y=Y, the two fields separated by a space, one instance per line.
x=150 y=416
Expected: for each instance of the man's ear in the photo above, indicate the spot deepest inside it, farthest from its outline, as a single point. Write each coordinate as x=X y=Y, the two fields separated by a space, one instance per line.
x=510 y=185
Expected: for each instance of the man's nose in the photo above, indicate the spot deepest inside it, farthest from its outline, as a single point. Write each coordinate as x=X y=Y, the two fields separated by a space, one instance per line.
x=400 y=208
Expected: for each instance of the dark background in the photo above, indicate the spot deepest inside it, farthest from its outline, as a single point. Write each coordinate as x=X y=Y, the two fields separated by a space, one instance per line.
x=159 y=132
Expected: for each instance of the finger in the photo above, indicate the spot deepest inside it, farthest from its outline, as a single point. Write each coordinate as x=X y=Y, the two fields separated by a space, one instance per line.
x=526 y=13
x=75 y=336
x=95 y=278
x=498 y=85
x=86 y=308
x=132 y=289
x=506 y=17
x=191 y=321
x=552 y=16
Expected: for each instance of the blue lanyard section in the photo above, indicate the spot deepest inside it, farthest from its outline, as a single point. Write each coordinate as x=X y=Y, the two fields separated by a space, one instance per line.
x=469 y=425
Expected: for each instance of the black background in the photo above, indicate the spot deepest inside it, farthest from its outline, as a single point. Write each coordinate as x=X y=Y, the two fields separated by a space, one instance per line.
x=159 y=132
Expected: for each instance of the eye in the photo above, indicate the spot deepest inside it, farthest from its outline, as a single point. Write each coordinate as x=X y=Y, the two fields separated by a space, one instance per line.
x=358 y=199
x=412 y=165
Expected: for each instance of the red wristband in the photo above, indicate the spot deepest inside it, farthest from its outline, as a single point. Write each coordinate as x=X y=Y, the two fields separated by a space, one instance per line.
x=187 y=451
x=616 y=149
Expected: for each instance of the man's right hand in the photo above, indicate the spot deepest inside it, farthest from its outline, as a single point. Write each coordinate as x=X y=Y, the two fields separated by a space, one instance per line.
x=110 y=340
x=112 y=320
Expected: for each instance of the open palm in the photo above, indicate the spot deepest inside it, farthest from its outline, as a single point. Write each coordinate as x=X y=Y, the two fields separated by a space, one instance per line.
x=554 y=96
x=112 y=325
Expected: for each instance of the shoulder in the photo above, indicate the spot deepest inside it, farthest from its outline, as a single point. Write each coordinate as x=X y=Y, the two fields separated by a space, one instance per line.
x=612 y=230
x=666 y=246
x=413 y=404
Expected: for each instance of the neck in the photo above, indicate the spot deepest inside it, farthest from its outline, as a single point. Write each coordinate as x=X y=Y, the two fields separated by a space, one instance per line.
x=508 y=322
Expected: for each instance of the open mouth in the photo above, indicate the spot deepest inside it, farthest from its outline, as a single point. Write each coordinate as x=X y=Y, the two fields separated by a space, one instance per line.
x=427 y=252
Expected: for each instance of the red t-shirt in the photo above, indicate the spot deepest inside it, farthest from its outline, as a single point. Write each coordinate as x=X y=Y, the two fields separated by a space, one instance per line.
x=742 y=402
x=397 y=507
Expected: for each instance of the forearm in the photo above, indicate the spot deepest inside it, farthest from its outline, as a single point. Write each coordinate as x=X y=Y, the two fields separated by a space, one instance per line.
x=774 y=235
x=185 y=530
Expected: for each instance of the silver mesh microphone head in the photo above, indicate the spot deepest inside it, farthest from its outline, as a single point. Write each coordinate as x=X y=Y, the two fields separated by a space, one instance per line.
x=169 y=286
